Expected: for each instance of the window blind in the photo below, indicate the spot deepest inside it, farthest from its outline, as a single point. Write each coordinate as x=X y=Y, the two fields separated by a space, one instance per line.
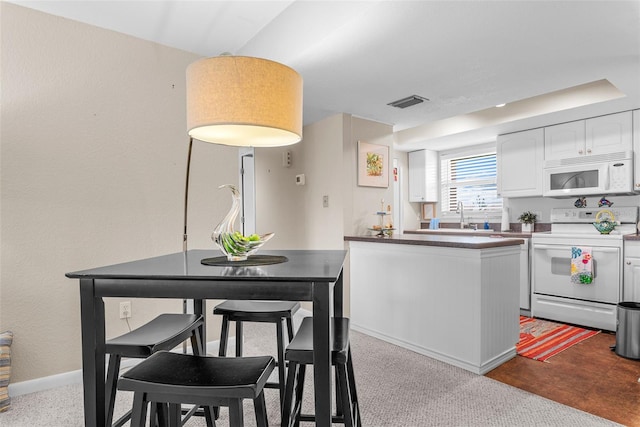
x=470 y=179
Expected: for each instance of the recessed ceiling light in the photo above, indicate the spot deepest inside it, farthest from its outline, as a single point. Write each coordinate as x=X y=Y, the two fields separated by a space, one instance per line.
x=500 y=105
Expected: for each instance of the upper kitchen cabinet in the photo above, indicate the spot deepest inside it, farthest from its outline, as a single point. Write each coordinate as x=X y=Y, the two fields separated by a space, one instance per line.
x=520 y=159
x=423 y=176
x=564 y=141
x=598 y=135
x=636 y=150
x=609 y=134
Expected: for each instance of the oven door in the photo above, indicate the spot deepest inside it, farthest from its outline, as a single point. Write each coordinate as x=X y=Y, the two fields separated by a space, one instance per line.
x=552 y=273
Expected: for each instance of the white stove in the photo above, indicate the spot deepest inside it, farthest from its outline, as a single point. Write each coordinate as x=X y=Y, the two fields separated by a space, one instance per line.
x=554 y=295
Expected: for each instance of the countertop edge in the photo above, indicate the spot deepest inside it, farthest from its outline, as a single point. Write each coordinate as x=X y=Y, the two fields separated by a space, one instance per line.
x=462 y=242
x=471 y=233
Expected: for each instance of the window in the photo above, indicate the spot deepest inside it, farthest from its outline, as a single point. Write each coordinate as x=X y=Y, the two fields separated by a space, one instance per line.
x=470 y=177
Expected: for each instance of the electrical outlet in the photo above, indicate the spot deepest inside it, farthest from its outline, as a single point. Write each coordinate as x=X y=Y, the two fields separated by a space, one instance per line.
x=125 y=309
x=325 y=201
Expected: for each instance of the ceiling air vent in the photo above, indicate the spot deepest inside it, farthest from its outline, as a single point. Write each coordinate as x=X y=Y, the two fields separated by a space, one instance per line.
x=408 y=101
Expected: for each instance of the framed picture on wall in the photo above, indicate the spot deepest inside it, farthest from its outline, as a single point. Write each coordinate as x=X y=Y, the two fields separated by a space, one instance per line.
x=373 y=165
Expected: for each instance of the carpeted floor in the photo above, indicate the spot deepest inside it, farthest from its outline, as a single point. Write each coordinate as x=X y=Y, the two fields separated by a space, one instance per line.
x=396 y=387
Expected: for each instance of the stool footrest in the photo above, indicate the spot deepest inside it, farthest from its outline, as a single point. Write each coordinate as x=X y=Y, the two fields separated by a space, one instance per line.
x=311 y=419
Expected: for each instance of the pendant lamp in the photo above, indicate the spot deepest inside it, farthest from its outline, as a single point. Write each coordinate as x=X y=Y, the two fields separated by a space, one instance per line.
x=244 y=101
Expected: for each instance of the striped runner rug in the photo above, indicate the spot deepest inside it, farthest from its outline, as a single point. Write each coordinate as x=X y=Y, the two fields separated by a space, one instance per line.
x=542 y=339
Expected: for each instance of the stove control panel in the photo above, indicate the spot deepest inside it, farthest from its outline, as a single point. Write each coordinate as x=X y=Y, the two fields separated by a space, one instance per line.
x=583 y=215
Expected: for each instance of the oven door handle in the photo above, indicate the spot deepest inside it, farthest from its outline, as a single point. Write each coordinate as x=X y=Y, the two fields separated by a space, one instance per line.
x=599 y=248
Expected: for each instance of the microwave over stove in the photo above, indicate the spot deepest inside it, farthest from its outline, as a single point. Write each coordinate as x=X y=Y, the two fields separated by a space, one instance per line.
x=604 y=174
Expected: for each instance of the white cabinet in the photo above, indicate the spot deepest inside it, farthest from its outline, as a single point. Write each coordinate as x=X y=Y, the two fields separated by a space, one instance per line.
x=564 y=140
x=636 y=150
x=631 y=281
x=598 y=135
x=423 y=176
x=609 y=134
x=520 y=159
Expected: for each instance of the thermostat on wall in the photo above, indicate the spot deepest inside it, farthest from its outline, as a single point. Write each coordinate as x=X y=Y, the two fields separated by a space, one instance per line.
x=300 y=179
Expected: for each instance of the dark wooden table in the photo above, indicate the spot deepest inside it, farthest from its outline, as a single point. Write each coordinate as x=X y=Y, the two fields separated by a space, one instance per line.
x=308 y=275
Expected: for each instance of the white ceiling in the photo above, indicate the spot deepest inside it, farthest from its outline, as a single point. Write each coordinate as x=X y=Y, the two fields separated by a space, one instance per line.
x=357 y=56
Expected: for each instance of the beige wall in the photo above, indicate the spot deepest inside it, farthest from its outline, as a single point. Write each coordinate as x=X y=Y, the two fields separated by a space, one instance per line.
x=366 y=200
x=92 y=155
x=93 y=152
x=327 y=158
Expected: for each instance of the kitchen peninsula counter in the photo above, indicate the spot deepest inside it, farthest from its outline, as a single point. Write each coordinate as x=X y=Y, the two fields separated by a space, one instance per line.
x=452 y=298
x=443 y=240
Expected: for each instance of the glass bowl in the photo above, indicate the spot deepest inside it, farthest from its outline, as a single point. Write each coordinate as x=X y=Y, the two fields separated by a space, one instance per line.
x=231 y=242
x=238 y=247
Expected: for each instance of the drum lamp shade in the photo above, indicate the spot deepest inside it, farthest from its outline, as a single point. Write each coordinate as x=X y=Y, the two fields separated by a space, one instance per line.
x=244 y=101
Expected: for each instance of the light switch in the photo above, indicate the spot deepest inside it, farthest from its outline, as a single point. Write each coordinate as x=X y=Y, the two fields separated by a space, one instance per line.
x=286 y=159
x=325 y=201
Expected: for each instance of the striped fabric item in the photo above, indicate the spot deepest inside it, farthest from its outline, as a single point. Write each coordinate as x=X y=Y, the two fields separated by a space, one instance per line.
x=6 y=338
x=541 y=339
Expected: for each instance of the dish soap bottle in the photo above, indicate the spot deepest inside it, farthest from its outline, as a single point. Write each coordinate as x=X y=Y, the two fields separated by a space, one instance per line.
x=486 y=222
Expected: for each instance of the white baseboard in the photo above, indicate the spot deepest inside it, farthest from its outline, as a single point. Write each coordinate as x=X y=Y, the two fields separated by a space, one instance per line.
x=75 y=377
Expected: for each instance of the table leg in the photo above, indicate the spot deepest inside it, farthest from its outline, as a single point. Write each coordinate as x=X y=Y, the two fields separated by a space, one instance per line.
x=338 y=304
x=322 y=353
x=338 y=297
x=93 y=354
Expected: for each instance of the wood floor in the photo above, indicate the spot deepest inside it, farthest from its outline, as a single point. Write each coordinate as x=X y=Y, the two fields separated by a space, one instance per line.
x=588 y=376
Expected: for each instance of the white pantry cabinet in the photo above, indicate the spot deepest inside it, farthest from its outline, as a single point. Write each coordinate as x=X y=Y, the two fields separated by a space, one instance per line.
x=631 y=281
x=636 y=150
x=520 y=157
x=423 y=176
x=598 y=135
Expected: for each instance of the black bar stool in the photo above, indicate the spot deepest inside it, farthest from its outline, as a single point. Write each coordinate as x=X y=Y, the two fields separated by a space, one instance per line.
x=299 y=353
x=175 y=378
x=258 y=311
x=162 y=333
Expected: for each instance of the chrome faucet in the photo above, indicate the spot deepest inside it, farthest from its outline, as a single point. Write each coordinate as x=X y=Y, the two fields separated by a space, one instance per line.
x=460 y=210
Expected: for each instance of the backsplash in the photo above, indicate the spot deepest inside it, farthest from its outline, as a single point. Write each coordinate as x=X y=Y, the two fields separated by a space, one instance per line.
x=515 y=227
